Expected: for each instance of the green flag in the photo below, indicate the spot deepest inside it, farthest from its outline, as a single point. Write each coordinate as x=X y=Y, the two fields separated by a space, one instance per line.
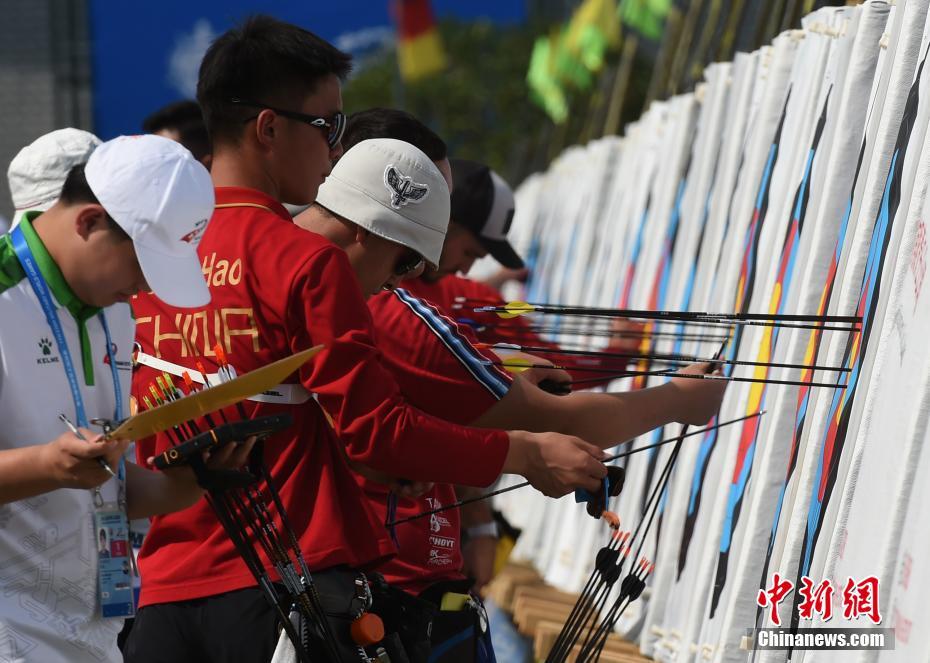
x=545 y=89
x=645 y=16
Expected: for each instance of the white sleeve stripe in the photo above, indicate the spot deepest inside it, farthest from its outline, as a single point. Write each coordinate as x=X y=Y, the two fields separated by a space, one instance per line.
x=475 y=363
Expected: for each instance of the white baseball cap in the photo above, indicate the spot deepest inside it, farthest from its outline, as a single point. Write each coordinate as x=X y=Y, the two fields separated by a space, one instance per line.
x=38 y=171
x=163 y=198
x=393 y=190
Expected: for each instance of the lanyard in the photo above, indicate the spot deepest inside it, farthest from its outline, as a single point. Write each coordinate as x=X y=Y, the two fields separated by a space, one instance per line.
x=39 y=286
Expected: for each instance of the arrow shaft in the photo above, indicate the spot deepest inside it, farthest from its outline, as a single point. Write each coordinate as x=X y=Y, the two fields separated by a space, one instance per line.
x=666 y=357
x=533 y=330
x=703 y=321
x=669 y=372
x=668 y=315
x=691 y=376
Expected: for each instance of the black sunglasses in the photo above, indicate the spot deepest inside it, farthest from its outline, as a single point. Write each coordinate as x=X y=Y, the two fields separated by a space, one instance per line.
x=334 y=127
x=407 y=264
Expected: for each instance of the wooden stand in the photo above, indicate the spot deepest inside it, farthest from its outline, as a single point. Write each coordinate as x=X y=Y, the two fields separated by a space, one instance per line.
x=539 y=611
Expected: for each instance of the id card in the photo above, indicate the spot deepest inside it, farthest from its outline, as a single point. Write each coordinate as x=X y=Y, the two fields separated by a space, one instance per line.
x=114 y=566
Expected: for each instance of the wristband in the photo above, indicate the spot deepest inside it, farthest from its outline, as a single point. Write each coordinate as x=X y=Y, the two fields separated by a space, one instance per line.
x=485 y=529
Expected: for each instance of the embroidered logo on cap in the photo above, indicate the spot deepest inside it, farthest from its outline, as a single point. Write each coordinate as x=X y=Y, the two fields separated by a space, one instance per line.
x=403 y=189
x=193 y=237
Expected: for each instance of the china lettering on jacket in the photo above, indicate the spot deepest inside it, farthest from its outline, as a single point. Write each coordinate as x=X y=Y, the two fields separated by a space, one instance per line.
x=199 y=331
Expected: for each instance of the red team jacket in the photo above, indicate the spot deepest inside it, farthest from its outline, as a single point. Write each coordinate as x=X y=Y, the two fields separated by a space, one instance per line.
x=277 y=289
x=440 y=371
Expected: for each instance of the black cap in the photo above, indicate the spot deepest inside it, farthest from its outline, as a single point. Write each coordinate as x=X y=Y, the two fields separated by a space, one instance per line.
x=483 y=202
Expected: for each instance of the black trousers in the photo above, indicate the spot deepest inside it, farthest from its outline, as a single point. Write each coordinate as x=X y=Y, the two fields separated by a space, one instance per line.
x=242 y=627
x=236 y=627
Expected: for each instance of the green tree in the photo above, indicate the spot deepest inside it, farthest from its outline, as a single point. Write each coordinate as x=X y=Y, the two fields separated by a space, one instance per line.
x=480 y=104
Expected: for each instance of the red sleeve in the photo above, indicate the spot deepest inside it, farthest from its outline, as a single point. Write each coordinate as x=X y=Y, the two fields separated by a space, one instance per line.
x=362 y=398
x=434 y=360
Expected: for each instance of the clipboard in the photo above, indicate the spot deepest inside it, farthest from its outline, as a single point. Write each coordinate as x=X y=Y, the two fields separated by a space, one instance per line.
x=211 y=399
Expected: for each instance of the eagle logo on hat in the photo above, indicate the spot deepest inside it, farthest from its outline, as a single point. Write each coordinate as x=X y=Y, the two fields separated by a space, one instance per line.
x=403 y=189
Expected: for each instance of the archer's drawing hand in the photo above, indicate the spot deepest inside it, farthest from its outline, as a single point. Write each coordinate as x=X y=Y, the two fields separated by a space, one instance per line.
x=553 y=463
x=699 y=400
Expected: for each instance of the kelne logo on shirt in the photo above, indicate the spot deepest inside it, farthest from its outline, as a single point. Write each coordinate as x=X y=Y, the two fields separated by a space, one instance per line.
x=45 y=345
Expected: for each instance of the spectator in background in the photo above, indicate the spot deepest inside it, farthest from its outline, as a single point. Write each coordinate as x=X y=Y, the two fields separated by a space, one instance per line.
x=38 y=171
x=182 y=121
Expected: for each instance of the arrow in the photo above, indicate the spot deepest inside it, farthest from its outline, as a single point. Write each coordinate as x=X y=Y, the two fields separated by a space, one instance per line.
x=518 y=365
x=578 y=331
x=685 y=359
x=515 y=309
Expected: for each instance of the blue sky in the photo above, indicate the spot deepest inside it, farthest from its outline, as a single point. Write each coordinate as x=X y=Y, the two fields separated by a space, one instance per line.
x=145 y=54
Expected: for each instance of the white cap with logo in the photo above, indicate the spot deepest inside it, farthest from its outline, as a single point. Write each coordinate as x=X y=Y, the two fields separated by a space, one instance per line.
x=38 y=171
x=393 y=190
x=163 y=198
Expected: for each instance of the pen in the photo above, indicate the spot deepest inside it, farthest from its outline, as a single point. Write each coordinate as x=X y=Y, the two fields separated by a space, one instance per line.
x=73 y=429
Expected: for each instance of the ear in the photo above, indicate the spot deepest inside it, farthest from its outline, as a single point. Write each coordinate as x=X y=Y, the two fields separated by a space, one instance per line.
x=361 y=234
x=90 y=218
x=265 y=127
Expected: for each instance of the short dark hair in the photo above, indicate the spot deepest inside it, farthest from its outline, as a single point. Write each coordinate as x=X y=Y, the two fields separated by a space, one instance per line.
x=263 y=60
x=76 y=191
x=186 y=118
x=393 y=123
x=172 y=116
x=325 y=211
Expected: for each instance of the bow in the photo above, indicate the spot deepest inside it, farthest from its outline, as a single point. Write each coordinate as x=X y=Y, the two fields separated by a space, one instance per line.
x=243 y=500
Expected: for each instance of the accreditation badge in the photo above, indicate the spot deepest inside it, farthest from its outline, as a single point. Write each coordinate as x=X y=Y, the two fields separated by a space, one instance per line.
x=114 y=564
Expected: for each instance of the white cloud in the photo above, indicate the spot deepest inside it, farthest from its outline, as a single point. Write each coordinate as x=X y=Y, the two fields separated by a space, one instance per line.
x=184 y=61
x=365 y=39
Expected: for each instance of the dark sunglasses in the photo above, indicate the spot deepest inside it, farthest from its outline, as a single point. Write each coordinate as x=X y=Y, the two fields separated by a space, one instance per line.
x=334 y=127
x=407 y=264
